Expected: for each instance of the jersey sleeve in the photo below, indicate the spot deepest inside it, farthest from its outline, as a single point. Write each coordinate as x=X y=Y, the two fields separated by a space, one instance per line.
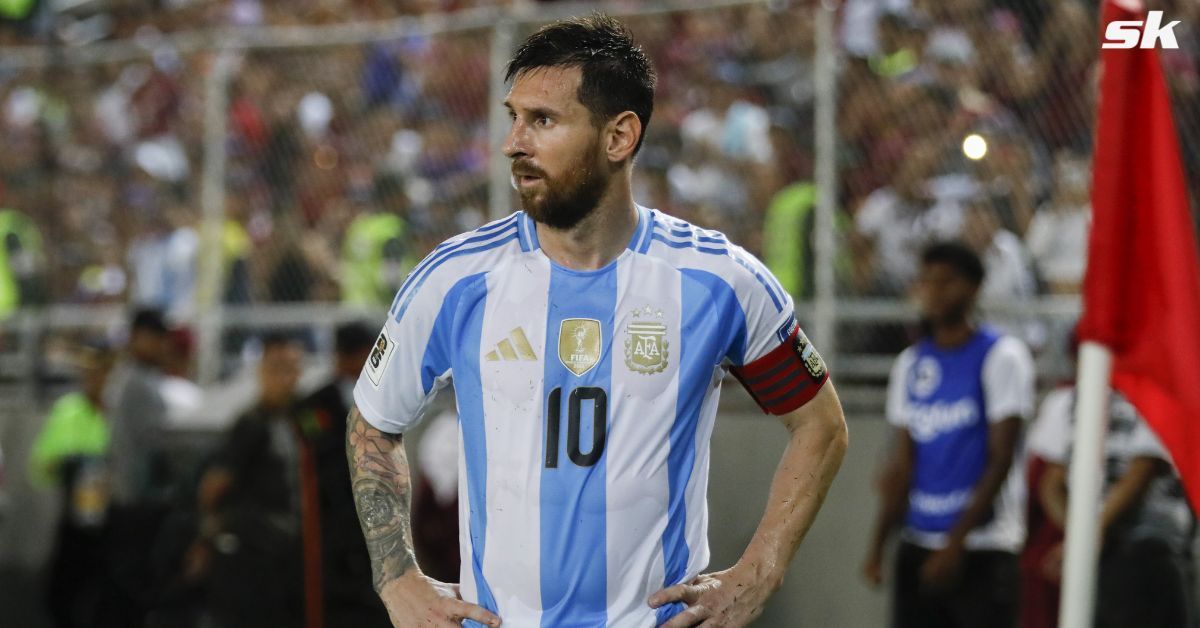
x=1008 y=380
x=1144 y=442
x=410 y=360
x=1050 y=436
x=897 y=389
x=777 y=364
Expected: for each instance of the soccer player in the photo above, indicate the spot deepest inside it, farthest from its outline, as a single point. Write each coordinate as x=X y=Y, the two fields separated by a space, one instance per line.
x=957 y=399
x=587 y=338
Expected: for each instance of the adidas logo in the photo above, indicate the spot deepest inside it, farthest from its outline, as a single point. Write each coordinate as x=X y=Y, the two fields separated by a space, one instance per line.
x=515 y=348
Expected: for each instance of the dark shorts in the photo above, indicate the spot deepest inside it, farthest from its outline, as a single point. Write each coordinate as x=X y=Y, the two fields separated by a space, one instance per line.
x=1144 y=584
x=986 y=595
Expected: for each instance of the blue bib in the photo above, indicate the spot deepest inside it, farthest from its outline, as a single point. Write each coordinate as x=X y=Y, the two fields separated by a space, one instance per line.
x=946 y=417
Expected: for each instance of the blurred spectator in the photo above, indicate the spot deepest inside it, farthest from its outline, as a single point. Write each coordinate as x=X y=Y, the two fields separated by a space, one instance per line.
x=71 y=454
x=862 y=24
x=164 y=264
x=181 y=396
x=1009 y=173
x=957 y=400
x=337 y=566
x=376 y=255
x=235 y=257
x=21 y=262
x=896 y=222
x=1060 y=112
x=134 y=395
x=1007 y=270
x=251 y=552
x=787 y=238
x=1146 y=570
x=137 y=459
x=901 y=40
x=1058 y=233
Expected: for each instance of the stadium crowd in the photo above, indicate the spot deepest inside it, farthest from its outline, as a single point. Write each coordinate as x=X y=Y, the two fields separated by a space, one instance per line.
x=347 y=163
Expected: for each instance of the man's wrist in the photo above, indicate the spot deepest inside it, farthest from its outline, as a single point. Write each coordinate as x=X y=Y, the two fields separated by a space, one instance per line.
x=399 y=582
x=762 y=571
x=956 y=541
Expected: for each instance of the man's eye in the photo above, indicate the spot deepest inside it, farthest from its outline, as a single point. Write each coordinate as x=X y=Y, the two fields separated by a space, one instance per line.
x=542 y=120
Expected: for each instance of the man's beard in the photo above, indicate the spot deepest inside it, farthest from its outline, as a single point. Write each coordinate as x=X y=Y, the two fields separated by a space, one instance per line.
x=563 y=205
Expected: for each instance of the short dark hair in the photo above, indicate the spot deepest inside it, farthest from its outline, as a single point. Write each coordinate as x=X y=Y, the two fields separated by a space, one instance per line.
x=958 y=256
x=280 y=340
x=149 y=319
x=617 y=74
x=352 y=337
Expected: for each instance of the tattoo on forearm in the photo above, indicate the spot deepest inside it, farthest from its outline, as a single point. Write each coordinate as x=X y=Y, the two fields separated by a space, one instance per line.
x=382 y=488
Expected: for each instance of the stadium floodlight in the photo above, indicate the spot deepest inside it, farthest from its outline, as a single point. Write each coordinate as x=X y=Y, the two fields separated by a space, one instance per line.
x=974 y=147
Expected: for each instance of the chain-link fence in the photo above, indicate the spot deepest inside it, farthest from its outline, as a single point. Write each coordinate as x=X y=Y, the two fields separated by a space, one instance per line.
x=240 y=175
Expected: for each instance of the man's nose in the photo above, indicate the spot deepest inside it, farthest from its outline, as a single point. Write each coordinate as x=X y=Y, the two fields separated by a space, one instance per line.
x=516 y=144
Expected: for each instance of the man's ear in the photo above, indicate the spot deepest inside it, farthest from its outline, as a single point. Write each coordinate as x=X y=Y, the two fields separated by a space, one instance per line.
x=622 y=133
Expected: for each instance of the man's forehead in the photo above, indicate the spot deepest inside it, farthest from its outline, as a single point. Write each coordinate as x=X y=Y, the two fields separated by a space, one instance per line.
x=557 y=85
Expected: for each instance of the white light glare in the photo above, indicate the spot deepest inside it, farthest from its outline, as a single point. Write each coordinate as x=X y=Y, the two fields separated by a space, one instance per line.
x=974 y=147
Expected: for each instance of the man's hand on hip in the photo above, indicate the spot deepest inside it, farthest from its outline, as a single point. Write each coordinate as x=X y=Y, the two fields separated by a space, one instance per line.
x=416 y=600
x=725 y=599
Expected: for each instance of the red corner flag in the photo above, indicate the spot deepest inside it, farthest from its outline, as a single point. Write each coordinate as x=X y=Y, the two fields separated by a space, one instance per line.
x=1142 y=289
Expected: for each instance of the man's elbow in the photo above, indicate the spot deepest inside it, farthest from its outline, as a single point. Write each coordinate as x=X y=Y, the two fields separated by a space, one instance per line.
x=829 y=423
x=838 y=432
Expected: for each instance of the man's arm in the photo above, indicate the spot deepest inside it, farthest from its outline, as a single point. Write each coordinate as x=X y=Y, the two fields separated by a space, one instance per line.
x=814 y=453
x=1052 y=493
x=1002 y=446
x=382 y=488
x=1121 y=496
x=893 y=486
x=1128 y=491
x=942 y=566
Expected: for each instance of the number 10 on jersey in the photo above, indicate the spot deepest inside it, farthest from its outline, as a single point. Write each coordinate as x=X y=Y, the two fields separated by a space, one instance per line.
x=575 y=401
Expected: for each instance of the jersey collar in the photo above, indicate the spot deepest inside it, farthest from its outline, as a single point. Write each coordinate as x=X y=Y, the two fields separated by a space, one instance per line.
x=639 y=242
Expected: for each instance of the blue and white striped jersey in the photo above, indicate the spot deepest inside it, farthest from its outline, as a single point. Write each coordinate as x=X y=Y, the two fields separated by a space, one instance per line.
x=586 y=402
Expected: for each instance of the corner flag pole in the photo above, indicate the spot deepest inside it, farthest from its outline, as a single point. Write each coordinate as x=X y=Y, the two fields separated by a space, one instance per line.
x=1085 y=482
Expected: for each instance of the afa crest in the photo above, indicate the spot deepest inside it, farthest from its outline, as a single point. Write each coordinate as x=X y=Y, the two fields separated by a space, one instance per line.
x=812 y=360
x=647 y=350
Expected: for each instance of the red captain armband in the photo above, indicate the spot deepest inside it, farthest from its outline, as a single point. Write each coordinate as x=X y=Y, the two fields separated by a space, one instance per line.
x=786 y=378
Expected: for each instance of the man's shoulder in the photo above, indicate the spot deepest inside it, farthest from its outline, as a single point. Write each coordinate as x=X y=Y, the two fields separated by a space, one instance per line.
x=686 y=245
x=907 y=357
x=506 y=235
x=1005 y=347
x=468 y=254
x=663 y=226
x=69 y=403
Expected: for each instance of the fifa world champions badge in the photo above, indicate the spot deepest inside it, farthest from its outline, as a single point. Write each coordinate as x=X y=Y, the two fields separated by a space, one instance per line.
x=646 y=345
x=579 y=341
